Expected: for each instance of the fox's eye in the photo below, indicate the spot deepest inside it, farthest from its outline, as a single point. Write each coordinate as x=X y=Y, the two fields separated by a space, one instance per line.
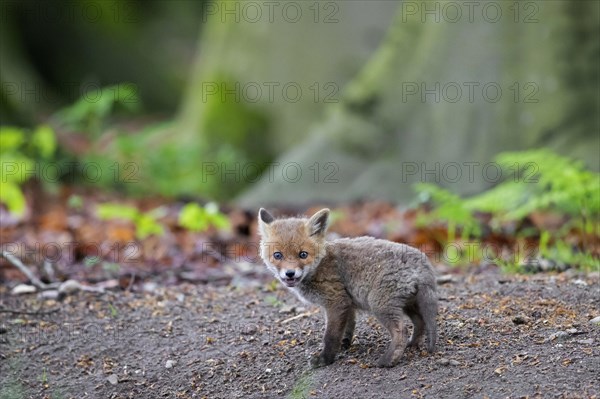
x=277 y=255
x=303 y=254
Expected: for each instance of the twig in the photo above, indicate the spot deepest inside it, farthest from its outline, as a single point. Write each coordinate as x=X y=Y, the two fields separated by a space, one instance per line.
x=49 y=270
x=16 y=262
x=39 y=312
x=299 y=316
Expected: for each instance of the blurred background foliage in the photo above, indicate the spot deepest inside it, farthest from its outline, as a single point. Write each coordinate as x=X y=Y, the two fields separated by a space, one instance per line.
x=54 y=52
x=139 y=73
x=162 y=90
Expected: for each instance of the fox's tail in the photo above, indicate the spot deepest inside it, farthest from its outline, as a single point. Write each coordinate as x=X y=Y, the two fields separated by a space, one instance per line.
x=427 y=302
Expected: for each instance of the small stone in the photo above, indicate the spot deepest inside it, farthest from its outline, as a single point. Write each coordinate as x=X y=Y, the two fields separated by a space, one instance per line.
x=69 y=287
x=520 y=319
x=180 y=298
x=268 y=370
x=50 y=294
x=443 y=361
x=546 y=264
x=580 y=282
x=587 y=341
x=250 y=329
x=149 y=286
x=287 y=309
x=113 y=379
x=446 y=278
x=170 y=364
x=572 y=331
x=23 y=289
x=595 y=320
x=454 y=362
x=558 y=335
x=562 y=267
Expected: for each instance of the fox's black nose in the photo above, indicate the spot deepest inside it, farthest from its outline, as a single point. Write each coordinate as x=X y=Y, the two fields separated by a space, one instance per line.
x=290 y=273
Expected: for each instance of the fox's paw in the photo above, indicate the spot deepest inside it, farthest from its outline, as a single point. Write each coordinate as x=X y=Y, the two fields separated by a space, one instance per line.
x=319 y=360
x=346 y=343
x=384 y=363
x=416 y=340
x=387 y=360
x=414 y=345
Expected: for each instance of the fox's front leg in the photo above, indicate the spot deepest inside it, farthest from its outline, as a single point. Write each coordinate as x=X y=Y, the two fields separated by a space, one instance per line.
x=336 y=325
x=349 y=330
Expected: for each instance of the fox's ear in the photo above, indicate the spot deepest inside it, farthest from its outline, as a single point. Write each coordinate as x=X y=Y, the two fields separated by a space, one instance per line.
x=318 y=223
x=264 y=218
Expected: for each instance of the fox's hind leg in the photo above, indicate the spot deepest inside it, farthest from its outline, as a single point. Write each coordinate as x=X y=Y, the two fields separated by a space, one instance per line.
x=395 y=326
x=418 y=327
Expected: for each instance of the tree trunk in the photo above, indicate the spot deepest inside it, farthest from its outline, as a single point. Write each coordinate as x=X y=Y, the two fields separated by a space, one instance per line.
x=442 y=95
x=259 y=83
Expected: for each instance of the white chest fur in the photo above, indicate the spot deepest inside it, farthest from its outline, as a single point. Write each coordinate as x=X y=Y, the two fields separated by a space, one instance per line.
x=301 y=295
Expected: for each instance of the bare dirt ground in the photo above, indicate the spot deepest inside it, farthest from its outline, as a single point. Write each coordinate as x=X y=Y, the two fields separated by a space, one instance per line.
x=500 y=337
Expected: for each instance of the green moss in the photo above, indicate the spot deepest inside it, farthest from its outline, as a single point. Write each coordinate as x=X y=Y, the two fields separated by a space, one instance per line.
x=235 y=137
x=302 y=388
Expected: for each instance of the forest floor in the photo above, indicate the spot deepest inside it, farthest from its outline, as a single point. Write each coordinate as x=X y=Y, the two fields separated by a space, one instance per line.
x=194 y=314
x=500 y=337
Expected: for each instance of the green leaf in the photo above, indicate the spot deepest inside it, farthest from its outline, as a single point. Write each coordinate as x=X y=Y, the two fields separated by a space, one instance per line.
x=113 y=311
x=11 y=138
x=146 y=225
x=12 y=196
x=449 y=208
x=75 y=202
x=117 y=211
x=193 y=217
x=196 y=218
x=126 y=94
x=541 y=180
x=44 y=141
x=90 y=111
x=91 y=261
x=17 y=168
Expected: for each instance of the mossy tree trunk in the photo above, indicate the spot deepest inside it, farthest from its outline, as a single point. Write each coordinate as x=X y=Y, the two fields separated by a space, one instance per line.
x=259 y=83
x=443 y=95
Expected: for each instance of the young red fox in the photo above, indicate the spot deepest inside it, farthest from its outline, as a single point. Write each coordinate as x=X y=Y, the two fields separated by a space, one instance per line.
x=387 y=279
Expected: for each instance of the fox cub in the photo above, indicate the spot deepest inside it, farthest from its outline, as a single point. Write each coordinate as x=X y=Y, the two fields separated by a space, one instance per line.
x=342 y=276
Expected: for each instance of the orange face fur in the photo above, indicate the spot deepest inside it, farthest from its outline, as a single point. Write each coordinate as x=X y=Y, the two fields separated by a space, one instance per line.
x=292 y=247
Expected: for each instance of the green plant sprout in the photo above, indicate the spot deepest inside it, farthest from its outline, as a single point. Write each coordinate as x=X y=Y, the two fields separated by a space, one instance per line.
x=541 y=181
x=544 y=181
x=44 y=377
x=20 y=150
x=75 y=202
x=197 y=218
x=90 y=116
x=113 y=311
x=146 y=224
x=449 y=208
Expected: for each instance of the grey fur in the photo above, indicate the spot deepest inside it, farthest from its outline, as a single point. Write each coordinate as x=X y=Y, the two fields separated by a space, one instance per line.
x=389 y=280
